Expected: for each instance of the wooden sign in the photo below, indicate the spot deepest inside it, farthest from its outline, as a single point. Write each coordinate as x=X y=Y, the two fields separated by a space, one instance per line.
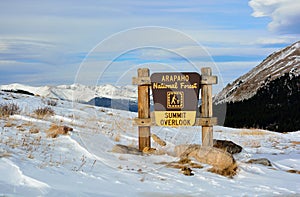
x=175 y=97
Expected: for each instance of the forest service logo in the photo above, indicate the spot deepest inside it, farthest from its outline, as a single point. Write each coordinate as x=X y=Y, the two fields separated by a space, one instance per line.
x=175 y=100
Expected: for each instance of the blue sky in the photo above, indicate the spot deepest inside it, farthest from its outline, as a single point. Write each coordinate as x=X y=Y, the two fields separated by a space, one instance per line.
x=52 y=42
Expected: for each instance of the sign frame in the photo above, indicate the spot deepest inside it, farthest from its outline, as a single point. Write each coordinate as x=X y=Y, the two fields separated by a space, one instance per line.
x=144 y=121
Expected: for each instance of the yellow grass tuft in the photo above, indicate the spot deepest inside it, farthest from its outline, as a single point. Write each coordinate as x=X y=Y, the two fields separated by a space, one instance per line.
x=30 y=156
x=34 y=130
x=9 y=109
x=158 y=140
x=9 y=124
x=43 y=112
x=295 y=142
x=230 y=172
x=148 y=150
x=294 y=171
x=117 y=137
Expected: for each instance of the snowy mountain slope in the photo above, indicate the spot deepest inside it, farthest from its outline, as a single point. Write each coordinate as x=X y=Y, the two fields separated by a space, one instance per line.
x=77 y=92
x=277 y=64
x=267 y=97
x=82 y=164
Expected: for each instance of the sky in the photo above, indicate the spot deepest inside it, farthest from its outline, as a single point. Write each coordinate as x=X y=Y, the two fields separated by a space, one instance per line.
x=96 y=41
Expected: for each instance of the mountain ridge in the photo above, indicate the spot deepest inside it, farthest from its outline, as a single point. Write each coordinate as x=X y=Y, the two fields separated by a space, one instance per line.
x=275 y=65
x=267 y=97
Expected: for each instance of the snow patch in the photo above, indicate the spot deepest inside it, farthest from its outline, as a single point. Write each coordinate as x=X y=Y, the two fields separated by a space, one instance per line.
x=11 y=174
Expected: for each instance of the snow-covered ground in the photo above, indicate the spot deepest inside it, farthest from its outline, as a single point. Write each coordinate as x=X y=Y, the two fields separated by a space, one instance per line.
x=82 y=163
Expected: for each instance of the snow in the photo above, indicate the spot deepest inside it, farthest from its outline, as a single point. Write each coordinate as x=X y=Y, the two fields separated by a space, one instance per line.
x=82 y=163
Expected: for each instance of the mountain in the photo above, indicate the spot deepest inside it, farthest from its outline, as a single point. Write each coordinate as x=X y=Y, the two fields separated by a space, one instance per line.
x=268 y=96
x=274 y=66
x=75 y=92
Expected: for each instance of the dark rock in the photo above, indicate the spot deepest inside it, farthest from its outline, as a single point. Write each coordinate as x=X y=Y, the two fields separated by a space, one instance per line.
x=187 y=171
x=19 y=92
x=229 y=146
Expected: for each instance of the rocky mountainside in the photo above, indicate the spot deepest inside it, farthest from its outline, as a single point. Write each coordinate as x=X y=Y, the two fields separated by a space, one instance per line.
x=268 y=96
x=274 y=66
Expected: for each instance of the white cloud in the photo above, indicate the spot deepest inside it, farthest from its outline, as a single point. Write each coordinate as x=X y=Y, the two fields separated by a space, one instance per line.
x=285 y=14
x=243 y=51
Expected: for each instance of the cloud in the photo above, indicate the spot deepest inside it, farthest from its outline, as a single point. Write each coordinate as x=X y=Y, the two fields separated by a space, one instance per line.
x=284 y=14
x=25 y=60
x=25 y=50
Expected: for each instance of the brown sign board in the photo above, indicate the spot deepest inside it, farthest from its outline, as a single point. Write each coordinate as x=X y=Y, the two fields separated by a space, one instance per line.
x=175 y=97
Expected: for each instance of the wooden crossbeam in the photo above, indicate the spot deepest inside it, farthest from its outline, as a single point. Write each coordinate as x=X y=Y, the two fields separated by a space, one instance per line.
x=141 y=81
x=143 y=122
x=206 y=121
x=208 y=80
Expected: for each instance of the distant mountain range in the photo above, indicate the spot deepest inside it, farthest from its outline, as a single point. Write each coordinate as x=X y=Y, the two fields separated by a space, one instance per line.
x=123 y=98
x=75 y=92
x=268 y=96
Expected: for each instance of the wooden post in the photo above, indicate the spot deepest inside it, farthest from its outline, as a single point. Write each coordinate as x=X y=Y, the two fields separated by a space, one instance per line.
x=144 y=110
x=206 y=108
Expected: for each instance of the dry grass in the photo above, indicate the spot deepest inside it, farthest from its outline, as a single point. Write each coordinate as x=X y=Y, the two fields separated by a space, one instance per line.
x=2 y=155
x=252 y=143
x=27 y=124
x=21 y=128
x=55 y=130
x=34 y=130
x=294 y=171
x=218 y=131
x=158 y=140
x=117 y=137
x=43 y=112
x=148 y=150
x=9 y=109
x=295 y=142
x=184 y=164
x=230 y=172
x=175 y=165
x=253 y=132
x=9 y=124
x=30 y=156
